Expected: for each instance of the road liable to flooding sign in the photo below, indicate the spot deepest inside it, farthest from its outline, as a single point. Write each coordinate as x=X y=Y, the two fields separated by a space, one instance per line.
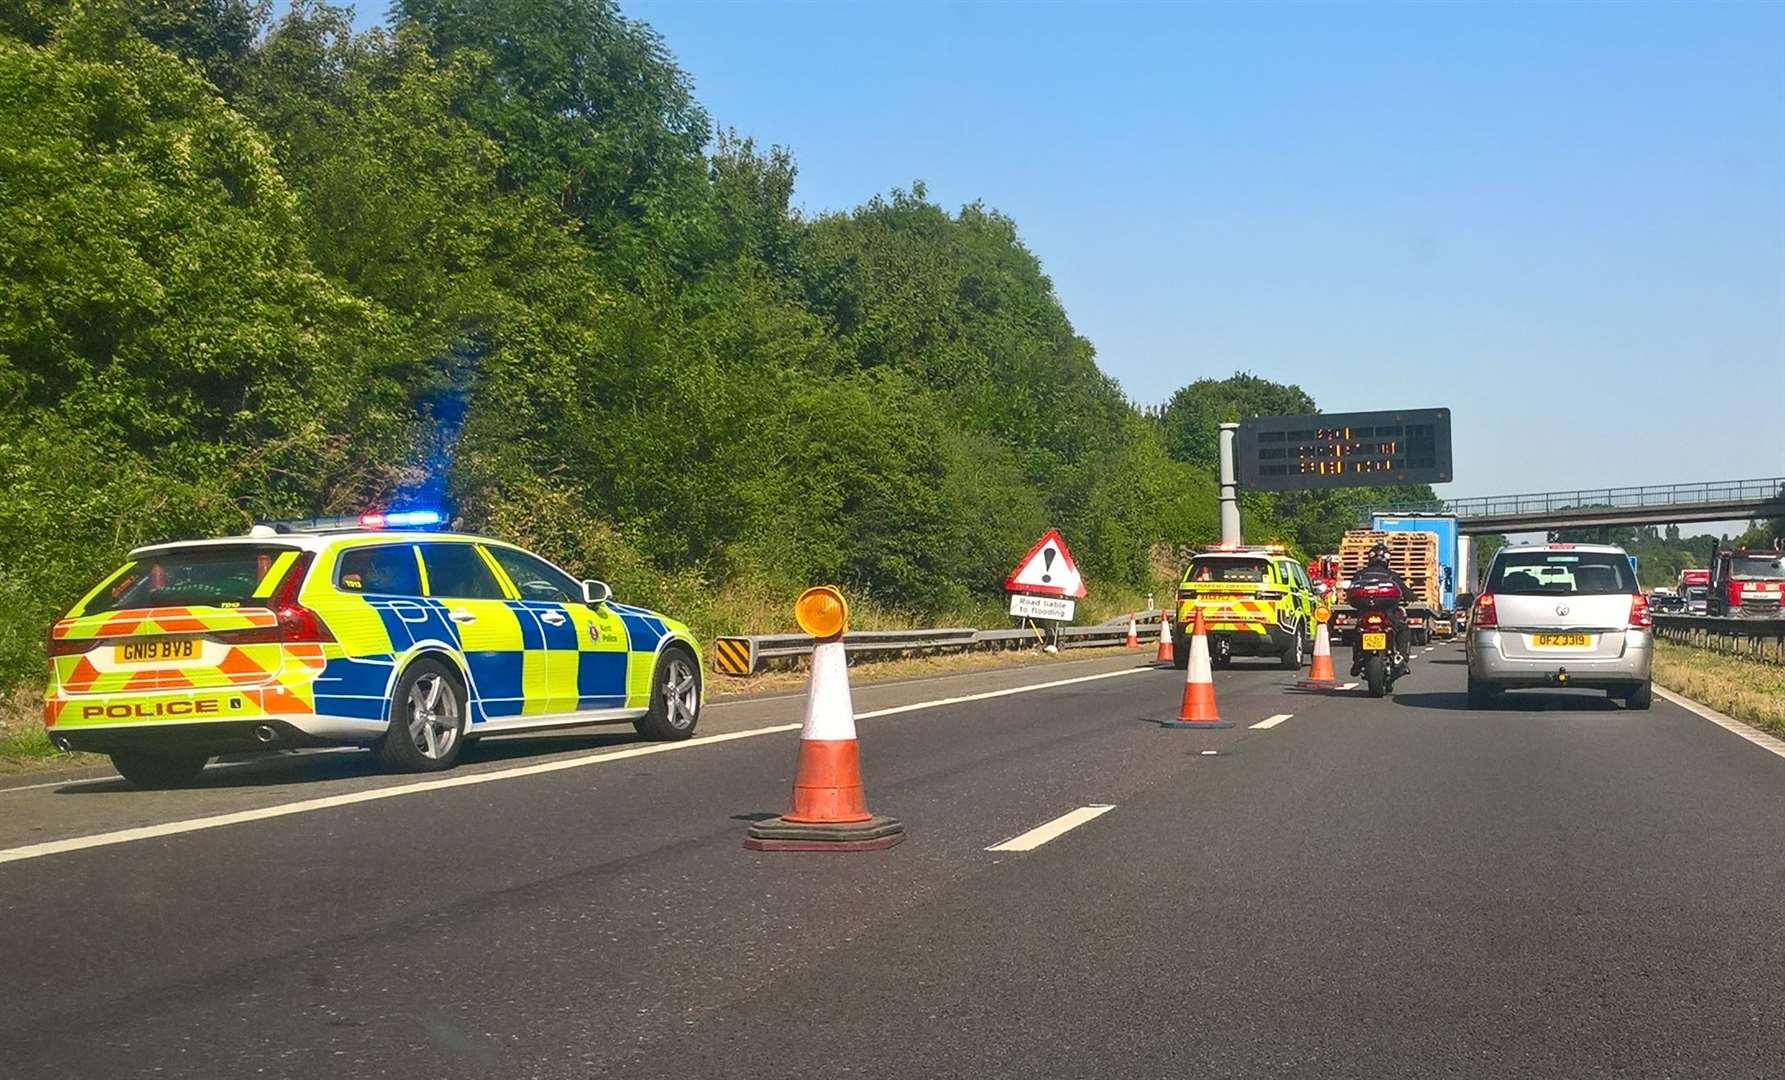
x=1042 y=607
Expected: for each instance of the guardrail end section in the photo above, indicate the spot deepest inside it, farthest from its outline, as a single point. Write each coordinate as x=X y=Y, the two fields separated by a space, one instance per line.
x=734 y=656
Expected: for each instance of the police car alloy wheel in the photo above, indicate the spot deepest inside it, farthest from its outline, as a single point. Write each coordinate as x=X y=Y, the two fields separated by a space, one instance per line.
x=1291 y=660
x=675 y=698
x=427 y=720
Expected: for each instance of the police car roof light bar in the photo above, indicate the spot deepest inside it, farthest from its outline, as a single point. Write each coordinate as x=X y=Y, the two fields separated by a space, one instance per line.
x=371 y=519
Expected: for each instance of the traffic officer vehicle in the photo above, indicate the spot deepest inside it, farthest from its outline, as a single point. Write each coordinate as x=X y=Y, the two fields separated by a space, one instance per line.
x=352 y=632
x=1255 y=601
x=1561 y=615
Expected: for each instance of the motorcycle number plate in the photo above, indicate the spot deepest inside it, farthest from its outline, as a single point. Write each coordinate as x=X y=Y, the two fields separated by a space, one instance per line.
x=1376 y=642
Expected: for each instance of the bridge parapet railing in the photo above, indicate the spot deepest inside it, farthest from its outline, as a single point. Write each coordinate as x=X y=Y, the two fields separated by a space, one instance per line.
x=1638 y=497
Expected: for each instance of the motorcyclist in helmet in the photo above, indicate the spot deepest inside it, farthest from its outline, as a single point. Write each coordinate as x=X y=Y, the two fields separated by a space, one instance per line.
x=1376 y=569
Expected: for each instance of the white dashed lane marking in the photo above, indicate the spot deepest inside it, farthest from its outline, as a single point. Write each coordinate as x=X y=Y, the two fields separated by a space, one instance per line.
x=1272 y=721
x=1061 y=825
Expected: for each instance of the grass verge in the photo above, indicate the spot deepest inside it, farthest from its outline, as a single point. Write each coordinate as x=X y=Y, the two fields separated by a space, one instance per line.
x=1749 y=690
x=23 y=745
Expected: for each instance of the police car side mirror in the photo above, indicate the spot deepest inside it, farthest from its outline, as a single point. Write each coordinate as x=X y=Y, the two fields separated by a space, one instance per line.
x=596 y=592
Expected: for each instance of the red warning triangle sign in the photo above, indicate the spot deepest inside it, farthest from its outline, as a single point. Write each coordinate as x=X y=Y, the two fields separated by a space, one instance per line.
x=1048 y=570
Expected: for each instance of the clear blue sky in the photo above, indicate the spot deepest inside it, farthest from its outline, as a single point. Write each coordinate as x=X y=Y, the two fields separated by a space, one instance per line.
x=1565 y=222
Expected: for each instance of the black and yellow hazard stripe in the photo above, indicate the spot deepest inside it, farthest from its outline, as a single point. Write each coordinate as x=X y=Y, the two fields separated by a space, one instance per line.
x=731 y=656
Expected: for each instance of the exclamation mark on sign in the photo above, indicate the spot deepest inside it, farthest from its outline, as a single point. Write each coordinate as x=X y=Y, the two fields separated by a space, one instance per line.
x=1047 y=563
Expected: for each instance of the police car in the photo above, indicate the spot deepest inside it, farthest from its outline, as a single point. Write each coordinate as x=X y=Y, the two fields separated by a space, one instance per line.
x=1255 y=601
x=352 y=632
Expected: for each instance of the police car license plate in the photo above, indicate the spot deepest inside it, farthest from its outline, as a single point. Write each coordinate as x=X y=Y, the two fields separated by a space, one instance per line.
x=1376 y=642
x=159 y=649
x=1561 y=641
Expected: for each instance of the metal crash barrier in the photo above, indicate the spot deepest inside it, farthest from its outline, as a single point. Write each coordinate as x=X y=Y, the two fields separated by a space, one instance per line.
x=1754 y=639
x=747 y=654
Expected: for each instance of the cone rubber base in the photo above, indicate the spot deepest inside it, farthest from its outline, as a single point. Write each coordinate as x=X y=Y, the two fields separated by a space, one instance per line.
x=779 y=834
x=1196 y=723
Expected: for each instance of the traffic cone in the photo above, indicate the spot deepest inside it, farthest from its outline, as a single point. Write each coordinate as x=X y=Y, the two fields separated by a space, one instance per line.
x=1198 y=710
x=1320 y=673
x=1165 y=655
x=829 y=811
x=1133 y=641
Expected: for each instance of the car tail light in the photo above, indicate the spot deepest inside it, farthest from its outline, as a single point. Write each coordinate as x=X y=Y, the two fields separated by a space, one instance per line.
x=1640 y=616
x=68 y=646
x=296 y=623
x=1484 y=615
x=1384 y=591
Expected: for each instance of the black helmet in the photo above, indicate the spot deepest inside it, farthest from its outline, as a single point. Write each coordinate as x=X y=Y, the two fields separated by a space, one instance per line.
x=1378 y=554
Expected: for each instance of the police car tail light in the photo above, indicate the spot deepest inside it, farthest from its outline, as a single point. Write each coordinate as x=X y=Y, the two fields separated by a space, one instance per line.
x=68 y=646
x=295 y=622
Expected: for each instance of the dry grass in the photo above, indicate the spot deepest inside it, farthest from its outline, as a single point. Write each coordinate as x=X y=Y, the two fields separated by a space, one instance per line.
x=23 y=745
x=1749 y=690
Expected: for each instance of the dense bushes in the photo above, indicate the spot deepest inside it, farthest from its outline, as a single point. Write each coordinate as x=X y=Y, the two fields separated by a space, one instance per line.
x=495 y=256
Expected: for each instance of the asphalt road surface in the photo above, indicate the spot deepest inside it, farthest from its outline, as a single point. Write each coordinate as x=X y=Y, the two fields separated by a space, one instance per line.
x=1360 y=888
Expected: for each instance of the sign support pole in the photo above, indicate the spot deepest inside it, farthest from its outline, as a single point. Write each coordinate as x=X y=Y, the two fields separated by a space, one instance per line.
x=1230 y=499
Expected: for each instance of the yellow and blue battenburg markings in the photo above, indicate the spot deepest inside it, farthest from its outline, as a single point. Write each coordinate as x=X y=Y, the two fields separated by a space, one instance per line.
x=522 y=657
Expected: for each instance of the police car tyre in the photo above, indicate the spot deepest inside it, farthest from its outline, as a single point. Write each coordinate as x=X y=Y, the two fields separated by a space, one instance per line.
x=147 y=769
x=427 y=719
x=1291 y=657
x=1640 y=696
x=675 y=698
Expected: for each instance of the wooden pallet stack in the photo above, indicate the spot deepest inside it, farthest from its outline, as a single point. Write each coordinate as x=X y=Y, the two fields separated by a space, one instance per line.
x=1413 y=555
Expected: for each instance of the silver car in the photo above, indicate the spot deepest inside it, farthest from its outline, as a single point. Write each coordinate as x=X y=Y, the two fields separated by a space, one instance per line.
x=1561 y=615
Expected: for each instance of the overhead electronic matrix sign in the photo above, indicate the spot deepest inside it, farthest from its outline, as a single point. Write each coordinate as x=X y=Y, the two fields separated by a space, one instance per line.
x=1336 y=450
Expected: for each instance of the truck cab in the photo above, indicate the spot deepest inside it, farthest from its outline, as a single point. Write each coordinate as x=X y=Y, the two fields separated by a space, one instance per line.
x=1746 y=583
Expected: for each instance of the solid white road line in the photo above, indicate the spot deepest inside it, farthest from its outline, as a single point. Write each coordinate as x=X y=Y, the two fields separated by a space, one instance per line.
x=62 y=783
x=304 y=806
x=1273 y=721
x=1728 y=723
x=896 y=709
x=1041 y=834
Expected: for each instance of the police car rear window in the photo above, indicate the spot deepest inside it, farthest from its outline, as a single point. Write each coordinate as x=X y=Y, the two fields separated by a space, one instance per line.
x=381 y=570
x=209 y=576
x=1229 y=569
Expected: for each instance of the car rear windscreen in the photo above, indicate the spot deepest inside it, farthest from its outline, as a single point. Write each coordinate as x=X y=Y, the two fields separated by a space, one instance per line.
x=1561 y=573
x=1228 y=569
x=183 y=577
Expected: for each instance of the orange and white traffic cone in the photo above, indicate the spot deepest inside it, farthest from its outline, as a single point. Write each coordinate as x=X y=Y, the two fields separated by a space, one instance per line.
x=1165 y=655
x=829 y=811
x=1320 y=673
x=1198 y=709
x=1133 y=641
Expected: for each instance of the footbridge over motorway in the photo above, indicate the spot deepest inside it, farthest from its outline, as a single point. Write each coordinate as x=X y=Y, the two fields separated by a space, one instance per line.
x=1657 y=504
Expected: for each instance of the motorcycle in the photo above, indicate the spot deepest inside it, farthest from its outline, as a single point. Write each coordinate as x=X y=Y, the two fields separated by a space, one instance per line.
x=1375 y=656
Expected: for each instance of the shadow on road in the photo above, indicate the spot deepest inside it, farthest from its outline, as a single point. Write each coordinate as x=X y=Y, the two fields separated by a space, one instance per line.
x=310 y=767
x=1515 y=701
